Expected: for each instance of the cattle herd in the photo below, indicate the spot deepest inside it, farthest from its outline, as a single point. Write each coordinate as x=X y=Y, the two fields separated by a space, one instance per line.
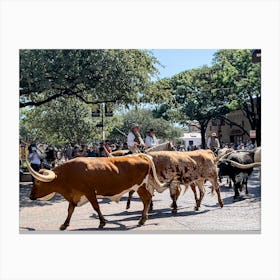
x=86 y=179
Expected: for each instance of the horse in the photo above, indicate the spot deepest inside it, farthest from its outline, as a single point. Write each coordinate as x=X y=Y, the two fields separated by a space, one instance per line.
x=166 y=146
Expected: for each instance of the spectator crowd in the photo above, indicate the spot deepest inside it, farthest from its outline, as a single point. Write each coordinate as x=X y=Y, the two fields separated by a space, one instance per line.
x=49 y=155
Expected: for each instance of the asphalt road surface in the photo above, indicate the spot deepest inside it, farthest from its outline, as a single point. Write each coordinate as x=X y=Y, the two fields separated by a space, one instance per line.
x=241 y=216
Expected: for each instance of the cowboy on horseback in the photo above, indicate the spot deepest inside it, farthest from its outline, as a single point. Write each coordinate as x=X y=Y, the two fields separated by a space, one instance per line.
x=135 y=142
x=151 y=139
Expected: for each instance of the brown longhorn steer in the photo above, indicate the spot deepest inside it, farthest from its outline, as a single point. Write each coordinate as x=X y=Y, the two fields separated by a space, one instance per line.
x=207 y=163
x=190 y=168
x=85 y=179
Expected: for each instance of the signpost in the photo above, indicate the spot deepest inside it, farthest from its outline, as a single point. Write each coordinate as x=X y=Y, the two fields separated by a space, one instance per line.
x=108 y=110
x=256 y=56
x=252 y=134
x=95 y=111
x=102 y=110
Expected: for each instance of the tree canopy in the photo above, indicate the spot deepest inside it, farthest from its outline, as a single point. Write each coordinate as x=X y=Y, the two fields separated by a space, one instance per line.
x=241 y=79
x=63 y=121
x=232 y=82
x=92 y=76
x=164 y=130
x=57 y=88
x=60 y=121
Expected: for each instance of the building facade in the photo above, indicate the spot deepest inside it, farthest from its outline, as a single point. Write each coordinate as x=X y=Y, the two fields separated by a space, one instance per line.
x=230 y=133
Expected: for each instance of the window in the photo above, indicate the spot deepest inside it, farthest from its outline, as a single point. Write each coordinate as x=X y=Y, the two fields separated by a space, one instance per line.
x=239 y=139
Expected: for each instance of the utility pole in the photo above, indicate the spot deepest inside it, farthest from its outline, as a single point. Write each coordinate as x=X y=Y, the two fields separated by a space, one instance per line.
x=102 y=120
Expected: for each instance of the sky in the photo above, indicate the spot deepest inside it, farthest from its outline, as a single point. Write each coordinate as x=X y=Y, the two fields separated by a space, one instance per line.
x=178 y=60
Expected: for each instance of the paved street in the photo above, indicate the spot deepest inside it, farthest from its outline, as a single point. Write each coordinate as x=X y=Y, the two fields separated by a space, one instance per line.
x=243 y=215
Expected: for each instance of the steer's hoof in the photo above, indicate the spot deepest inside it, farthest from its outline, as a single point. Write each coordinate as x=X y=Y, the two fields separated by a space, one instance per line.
x=196 y=208
x=127 y=207
x=141 y=222
x=63 y=227
x=102 y=224
x=174 y=211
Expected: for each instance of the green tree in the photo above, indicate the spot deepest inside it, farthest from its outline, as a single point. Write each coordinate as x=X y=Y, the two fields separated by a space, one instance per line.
x=92 y=76
x=233 y=82
x=197 y=98
x=60 y=121
x=164 y=129
x=241 y=80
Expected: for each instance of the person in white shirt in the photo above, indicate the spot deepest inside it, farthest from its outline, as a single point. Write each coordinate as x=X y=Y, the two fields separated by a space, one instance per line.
x=134 y=139
x=213 y=142
x=151 y=139
x=35 y=160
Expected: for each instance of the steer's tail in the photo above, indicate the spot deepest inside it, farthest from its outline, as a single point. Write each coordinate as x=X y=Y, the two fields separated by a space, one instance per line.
x=160 y=186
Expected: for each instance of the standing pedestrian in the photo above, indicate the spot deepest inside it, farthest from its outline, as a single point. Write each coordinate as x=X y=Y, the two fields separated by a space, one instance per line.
x=213 y=142
x=107 y=146
x=35 y=159
x=69 y=152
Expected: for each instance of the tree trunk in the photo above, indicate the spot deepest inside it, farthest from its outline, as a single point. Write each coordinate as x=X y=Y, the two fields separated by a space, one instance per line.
x=258 y=122
x=203 y=126
x=254 y=117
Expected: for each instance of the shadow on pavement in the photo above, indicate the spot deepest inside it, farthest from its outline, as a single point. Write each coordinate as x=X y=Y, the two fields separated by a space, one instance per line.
x=27 y=228
x=155 y=214
x=24 y=201
x=254 y=189
x=123 y=198
x=107 y=227
x=136 y=215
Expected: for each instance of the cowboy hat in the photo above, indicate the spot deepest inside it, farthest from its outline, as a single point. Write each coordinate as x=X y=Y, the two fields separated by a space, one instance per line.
x=134 y=125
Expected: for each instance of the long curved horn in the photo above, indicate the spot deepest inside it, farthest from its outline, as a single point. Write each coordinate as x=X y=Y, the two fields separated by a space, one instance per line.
x=46 y=177
x=107 y=152
x=47 y=197
x=242 y=166
x=219 y=158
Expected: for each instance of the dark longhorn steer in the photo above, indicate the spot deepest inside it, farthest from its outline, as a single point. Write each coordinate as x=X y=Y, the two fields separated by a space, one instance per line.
x=238 y=166
x=220 y=154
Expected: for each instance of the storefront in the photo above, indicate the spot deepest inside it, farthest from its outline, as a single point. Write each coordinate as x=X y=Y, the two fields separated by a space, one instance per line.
x=236 y=136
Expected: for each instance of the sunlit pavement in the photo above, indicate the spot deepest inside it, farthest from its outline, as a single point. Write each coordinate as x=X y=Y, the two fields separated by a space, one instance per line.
x=242 y=216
